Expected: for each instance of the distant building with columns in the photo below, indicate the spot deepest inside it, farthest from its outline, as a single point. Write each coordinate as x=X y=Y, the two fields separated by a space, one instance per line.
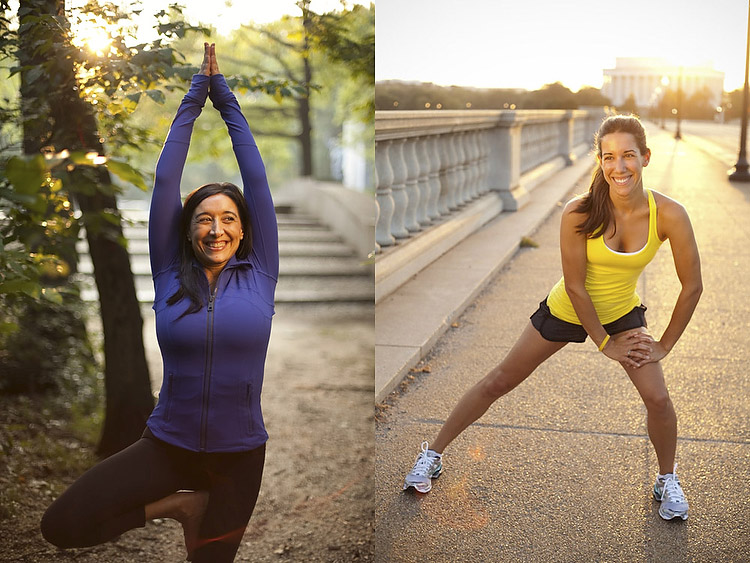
x=647 y=78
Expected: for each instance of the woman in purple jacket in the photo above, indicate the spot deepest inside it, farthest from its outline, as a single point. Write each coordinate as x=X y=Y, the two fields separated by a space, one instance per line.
x=215 y=264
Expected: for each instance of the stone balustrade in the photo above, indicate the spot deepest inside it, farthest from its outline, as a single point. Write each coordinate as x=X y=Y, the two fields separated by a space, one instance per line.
x=431 y=164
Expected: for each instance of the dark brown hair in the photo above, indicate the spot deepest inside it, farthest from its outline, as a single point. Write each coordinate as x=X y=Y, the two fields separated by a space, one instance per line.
x=596 y=204
x=191 y=278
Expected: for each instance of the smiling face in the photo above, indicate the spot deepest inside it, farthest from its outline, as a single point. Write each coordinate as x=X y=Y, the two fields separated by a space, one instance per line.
x=622 y=163
x=215 y=231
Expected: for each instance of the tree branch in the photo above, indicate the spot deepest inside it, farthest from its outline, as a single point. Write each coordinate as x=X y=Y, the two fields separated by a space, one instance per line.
x=265 y=133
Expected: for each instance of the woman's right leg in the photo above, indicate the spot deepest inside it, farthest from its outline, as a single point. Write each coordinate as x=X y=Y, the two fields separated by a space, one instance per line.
x=530 y=350
x=110 y=498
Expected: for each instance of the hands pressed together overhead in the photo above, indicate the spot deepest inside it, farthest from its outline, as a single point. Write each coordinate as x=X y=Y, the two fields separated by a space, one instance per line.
x=209 y=67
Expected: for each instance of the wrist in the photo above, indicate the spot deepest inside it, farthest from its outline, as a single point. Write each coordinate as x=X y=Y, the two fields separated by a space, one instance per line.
x=667 y=347
x=603 y=343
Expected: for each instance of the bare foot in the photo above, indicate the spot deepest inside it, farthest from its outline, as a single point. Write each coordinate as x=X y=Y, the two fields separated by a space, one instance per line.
x=194 y=507
x=188 y=508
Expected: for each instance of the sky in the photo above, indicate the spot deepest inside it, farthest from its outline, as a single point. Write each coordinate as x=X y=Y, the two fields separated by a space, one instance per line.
x=226 y=15
x=530 y=43
x=223 y=15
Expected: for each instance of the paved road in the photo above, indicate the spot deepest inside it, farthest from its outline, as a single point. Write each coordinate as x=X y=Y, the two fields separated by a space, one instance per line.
x=561 y=468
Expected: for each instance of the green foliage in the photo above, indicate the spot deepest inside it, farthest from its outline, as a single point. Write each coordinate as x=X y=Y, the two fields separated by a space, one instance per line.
x=396 y=95
x=348 y=39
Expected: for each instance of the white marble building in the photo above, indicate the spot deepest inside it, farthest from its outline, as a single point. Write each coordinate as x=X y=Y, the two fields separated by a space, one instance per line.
x=647 y=78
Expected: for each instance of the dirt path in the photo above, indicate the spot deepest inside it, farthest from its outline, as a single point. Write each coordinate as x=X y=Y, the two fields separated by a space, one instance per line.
x=316 y=502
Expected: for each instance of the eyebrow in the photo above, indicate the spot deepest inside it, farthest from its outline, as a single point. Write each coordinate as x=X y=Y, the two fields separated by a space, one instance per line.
x=625 y=151
x=222 y=213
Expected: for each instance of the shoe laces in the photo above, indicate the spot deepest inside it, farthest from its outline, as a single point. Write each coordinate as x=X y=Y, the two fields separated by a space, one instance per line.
x=672 y=488
x=424 y=461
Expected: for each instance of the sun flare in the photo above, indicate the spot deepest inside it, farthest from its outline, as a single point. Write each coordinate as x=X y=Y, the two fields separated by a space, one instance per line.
x=92 y=35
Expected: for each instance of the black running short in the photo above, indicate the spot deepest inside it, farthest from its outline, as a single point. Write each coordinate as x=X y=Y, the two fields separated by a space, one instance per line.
x=556 y=330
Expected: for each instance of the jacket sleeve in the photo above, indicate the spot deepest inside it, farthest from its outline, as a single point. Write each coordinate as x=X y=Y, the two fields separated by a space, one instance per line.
x=164 y=215
x=253 y=172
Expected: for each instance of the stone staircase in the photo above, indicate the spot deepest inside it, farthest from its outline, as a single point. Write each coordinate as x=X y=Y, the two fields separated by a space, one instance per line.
x=316 y=266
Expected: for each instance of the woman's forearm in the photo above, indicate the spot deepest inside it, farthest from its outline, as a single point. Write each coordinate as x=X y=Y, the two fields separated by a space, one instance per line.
x=586 y=313
x=681 y=315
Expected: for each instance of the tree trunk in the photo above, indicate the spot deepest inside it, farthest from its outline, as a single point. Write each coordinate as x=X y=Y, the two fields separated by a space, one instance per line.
x=303 y=105
x=127 y=384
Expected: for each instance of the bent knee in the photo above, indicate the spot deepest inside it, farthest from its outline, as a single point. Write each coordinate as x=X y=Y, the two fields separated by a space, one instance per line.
x=497 y=383
x=59 y=528
x=659 y=403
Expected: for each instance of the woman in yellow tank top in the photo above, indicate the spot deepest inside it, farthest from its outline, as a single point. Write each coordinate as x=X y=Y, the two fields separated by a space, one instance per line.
x=607 y=237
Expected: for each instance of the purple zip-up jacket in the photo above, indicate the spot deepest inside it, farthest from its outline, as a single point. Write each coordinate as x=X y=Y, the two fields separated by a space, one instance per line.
x=213 y=359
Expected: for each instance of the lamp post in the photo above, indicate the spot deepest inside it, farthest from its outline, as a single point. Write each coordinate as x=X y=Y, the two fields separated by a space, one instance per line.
x=665 y=85
x=678 y=133
x=741 y=173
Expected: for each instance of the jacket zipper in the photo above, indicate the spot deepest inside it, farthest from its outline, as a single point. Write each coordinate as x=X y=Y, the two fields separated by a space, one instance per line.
x=207 y=368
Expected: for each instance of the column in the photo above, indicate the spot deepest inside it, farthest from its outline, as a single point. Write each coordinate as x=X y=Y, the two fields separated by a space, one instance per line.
x=383 y=182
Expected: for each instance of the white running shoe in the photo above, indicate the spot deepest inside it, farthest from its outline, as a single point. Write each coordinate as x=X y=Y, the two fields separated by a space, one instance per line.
x=669 y=492
x=427 y=467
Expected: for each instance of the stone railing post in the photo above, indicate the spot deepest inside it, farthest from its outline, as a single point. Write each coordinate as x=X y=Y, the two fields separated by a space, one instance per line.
x=445 y=203
x=434 y=177
x=567 y=138
x=505 y=160
x=459 y=139
x=423 y=182
x=383 y=182
x=414 y=198
x=398 y=189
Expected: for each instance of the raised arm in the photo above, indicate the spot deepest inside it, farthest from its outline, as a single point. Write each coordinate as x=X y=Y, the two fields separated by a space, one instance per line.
x=164 y=216
x=253 y=172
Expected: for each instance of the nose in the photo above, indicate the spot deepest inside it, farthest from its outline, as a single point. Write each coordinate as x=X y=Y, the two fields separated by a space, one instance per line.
x=620 y=165
x=216 y=227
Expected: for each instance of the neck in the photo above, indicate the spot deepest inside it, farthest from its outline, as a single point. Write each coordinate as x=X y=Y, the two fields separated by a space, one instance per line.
x=630 y=202
x=212 y=274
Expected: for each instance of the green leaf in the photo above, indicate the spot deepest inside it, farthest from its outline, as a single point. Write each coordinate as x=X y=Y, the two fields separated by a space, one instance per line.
x=26 y=175
x=21 y=286
x=51 y=294
x=127 y=173
x=157 y=96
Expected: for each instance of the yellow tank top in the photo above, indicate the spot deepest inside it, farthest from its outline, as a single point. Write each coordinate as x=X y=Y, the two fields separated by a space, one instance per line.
x=611 y=276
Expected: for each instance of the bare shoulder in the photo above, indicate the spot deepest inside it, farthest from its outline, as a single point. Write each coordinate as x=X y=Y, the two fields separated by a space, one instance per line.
x=572 y=205
x=672 y=216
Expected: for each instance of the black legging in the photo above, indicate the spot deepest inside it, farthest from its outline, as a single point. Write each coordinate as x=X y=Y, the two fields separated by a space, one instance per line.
x=110 y=498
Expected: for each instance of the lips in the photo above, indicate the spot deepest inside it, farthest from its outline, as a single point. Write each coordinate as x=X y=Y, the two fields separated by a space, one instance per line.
x=621 y=181
x=216 y=246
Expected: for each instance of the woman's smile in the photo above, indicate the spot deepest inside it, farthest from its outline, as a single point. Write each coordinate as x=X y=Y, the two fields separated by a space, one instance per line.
x=215 y=231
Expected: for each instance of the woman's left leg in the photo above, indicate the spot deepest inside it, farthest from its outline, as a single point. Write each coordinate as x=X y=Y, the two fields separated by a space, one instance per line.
x=234 y=484
x=661 y=418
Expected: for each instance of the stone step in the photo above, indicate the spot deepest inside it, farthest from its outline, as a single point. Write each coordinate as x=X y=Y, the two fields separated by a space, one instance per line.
x=296 y=248
x=286 y=248
x=289 y=266
x=333 y=289
x=287 y=231
x=293 y=289
x=308 y=235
